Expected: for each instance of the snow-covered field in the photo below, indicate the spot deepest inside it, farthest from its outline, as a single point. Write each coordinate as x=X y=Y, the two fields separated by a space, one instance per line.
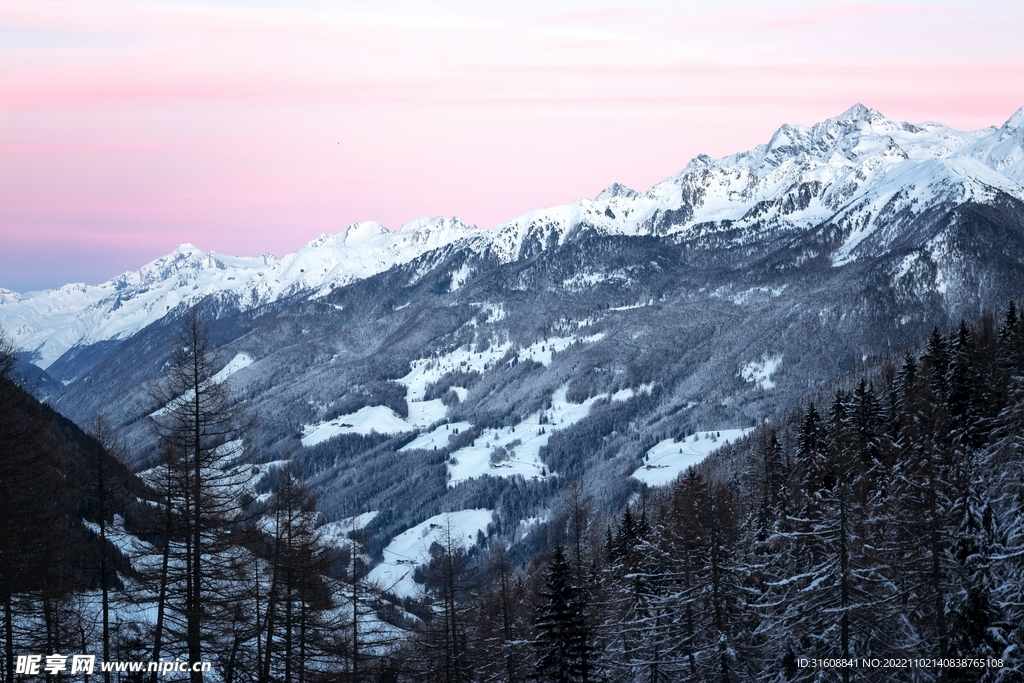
x=380 y=419
x=428 y=370
x=437 y=438
x=668 y=459
x=760 y=372
x=337 y=533
x=411 y=548
x=520 y=444
x=422 y=414
x=241 y=360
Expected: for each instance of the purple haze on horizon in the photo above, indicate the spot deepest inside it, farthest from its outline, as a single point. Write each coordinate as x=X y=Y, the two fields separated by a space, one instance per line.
x=127 y=128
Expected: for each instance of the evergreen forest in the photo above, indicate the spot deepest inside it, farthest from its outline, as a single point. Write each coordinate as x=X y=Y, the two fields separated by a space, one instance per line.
x=880 y=519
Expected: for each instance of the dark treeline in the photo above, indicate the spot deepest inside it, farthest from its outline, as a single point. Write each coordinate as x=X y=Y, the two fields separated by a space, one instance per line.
x=184 y=562
x=884 y=519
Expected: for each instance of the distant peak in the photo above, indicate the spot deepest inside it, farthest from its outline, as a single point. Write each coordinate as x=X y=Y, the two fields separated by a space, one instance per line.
x=434 y=223
x=857 y=112
x=186 y=248
x=322 y=239
x=1015 y=121
x=363 y=231
x=616 y=190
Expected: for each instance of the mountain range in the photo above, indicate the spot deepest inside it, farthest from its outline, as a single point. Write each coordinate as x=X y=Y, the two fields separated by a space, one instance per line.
x=443 y=367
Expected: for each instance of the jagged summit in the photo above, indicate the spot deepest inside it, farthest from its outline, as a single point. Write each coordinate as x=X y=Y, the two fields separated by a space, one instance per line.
x=854 y=171
x=1014 y=122
x=616 y=190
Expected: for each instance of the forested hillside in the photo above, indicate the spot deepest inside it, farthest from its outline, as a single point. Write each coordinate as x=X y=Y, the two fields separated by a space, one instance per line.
x=429 y=455
x=882 y=519
x=56 y=482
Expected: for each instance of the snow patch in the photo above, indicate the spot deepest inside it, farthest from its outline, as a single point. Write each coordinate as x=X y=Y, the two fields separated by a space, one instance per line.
x=438 y=438
x=508 y=451
x=411 y=548
x=669 y=458
x=337 y=533
x=379 y=419
x=642 y=304
x=760 y=372
x=459 y=277
x=241 y=360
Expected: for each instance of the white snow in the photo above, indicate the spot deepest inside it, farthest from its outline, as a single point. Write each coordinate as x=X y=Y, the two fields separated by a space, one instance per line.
x=51 y=322
x=855 y=170
x=459 y=277
x=630 y=307
x=428 y=370
x=626 y=394
x=437 y=438
x=425 y=413
x=760 y=371
x=422 y=413
x=379 y=419
x=522 y=442
x=464 y=359
x=411 y=548
x=337 y=533
x=242 y=360
x=668 y=459
x=541 y=351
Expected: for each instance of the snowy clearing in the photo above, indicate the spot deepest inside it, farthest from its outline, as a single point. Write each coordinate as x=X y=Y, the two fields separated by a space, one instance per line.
x=241 y=360
x=437 y=438
x=760 y=372
x=380 y=419
x=516 y=450
x=337 y=533
x=668 y=459
x=411 y=548
x=428 y=370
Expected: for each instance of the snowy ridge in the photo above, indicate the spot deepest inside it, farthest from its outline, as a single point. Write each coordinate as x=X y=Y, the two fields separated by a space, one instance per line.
x=859 y=171
x=48 y=323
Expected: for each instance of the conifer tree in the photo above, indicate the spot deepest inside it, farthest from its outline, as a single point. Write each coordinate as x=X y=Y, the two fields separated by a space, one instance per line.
x=201 y=432
x=561 y=633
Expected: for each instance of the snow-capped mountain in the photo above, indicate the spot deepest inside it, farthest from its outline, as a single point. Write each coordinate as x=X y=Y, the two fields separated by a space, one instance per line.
x=48 y=323
x=858 y=168
x=445 y=368
x=857 y=172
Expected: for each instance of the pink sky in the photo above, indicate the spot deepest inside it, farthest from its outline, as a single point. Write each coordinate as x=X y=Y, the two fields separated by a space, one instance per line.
x=127 y=127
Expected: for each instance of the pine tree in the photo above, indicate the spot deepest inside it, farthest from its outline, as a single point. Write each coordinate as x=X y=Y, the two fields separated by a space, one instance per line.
x=1003 y=463
x=107 y=496
x=299 y=596
x=922 y=504
x=201 y=434
x=561 y=633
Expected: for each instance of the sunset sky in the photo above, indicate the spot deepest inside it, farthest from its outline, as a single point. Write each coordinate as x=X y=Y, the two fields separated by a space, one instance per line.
x=128 y=127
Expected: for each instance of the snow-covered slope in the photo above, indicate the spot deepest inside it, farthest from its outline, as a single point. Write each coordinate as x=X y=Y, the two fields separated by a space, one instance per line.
x=860 y=172
x=48 y=323
x=859 y=167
